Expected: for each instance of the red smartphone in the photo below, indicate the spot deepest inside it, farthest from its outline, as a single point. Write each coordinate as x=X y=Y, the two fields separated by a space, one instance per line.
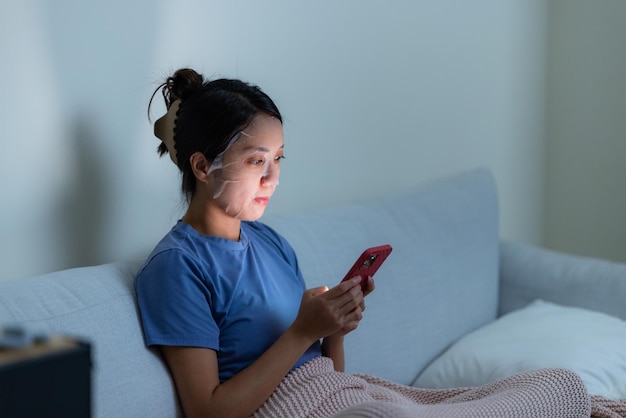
x=368 y=263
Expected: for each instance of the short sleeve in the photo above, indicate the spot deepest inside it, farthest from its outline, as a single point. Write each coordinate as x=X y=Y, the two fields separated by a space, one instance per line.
x=174 y=302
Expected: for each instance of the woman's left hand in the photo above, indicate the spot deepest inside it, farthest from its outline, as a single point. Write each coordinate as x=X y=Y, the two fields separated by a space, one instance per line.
x=366 y=290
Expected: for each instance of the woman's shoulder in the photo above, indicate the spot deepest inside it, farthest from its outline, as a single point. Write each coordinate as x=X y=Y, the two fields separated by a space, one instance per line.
x=171 y=250
x=174 y=240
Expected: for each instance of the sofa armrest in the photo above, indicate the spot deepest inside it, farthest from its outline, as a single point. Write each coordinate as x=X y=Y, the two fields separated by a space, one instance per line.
x=528 y=272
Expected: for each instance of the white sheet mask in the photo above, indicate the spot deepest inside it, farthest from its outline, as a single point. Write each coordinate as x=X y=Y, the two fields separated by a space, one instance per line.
x=219 y=160
x=240 y=168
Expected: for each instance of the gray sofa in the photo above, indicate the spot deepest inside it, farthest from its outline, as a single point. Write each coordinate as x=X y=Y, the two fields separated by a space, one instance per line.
x=448 y=276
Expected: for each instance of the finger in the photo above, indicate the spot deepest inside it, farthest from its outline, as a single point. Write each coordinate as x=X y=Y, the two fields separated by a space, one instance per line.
x=349 y=327
x=343 y=287
x=351 y=300
x=355 y=316
x=369 y=286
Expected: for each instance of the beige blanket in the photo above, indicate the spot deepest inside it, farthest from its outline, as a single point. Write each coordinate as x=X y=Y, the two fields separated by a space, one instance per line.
x=316 y=390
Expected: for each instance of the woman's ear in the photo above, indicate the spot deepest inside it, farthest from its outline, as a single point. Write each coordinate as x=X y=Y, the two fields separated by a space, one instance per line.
x=200 y=166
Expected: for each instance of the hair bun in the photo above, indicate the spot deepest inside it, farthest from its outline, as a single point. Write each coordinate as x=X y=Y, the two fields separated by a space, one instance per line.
x=183 y=84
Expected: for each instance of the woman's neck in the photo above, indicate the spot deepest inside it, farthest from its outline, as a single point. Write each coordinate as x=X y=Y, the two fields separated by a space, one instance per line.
x=208 y=220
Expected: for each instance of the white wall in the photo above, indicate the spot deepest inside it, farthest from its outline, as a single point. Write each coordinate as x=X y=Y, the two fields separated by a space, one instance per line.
x=376 y=97
x=586 y=174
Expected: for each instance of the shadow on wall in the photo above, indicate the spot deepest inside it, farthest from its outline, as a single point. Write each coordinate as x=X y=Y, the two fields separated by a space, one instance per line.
x=82 y=209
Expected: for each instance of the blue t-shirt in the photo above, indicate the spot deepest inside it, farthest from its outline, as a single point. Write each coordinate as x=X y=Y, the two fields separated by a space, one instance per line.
x=236 y=298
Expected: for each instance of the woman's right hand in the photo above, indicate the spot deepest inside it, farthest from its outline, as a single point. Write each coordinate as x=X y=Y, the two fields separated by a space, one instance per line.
x=324 y=312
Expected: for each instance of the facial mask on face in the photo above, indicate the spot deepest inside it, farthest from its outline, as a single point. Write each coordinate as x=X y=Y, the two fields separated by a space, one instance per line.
x=239 y=171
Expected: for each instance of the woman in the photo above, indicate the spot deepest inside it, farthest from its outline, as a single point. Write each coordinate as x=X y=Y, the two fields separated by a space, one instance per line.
x=222 y=295
x=223 y=298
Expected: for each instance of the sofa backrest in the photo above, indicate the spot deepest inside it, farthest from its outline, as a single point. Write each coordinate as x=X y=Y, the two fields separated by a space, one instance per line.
x=97 y=305
x=439 y=283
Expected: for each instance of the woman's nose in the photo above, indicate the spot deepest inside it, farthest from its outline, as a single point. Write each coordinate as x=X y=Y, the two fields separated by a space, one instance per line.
x=270 y=175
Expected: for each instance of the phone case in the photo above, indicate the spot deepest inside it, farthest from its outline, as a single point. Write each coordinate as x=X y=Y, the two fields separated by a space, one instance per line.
x=368 y=263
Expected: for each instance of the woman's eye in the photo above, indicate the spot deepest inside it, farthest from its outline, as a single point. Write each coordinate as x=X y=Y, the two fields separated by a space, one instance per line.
x=256 y=162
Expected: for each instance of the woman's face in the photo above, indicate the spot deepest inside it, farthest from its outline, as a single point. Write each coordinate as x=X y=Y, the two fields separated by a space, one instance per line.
x=245 y=176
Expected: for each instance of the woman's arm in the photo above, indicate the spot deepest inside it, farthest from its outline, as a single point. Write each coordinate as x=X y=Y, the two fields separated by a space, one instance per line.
x=195 y=373
x=332 y=347
x=195 y=370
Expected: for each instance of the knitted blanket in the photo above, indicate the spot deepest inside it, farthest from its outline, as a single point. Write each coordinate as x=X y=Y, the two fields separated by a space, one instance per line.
x=315 y=390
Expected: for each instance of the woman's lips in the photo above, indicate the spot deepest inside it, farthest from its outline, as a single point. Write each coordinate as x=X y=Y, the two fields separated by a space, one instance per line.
x=262 y=200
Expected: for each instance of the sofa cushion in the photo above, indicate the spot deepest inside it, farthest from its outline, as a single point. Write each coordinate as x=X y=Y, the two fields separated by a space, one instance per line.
x=97 y=305
x=541 y=335
x=439 y=283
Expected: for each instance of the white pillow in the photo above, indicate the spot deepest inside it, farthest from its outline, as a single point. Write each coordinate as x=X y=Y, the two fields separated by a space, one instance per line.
x=541 y=335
